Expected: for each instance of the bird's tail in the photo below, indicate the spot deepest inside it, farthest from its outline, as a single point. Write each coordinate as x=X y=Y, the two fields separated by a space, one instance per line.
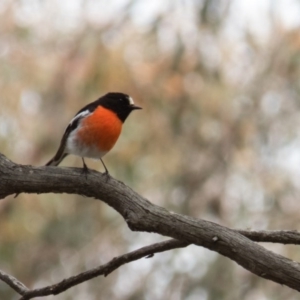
x=56 y=160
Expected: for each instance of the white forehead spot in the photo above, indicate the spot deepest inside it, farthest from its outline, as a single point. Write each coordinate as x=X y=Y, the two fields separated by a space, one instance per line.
x=131 y=101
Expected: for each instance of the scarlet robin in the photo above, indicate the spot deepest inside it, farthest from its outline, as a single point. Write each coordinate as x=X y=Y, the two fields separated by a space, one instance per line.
x=95 y=129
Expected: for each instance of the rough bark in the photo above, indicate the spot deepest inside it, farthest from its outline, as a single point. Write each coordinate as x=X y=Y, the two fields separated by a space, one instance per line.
x=141 y=215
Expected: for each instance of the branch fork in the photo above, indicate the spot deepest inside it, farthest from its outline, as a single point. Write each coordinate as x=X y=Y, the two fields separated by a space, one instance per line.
x=141 y=215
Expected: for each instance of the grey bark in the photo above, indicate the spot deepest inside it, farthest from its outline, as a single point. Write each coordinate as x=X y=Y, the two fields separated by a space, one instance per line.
x=141 y=215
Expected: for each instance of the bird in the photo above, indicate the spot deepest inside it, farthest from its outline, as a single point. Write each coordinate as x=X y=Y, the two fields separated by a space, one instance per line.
x=95 y=129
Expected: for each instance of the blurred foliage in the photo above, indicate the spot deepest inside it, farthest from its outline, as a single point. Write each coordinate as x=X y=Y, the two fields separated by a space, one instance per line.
x=218 y=139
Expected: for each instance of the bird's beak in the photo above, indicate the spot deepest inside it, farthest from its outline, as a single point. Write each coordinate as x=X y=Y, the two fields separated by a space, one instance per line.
x=133 y=107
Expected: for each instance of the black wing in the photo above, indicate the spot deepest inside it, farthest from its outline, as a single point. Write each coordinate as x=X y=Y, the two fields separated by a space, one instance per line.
x=61 y=154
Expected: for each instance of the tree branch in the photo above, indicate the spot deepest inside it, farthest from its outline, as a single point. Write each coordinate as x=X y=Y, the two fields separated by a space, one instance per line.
x=142 y=215
x=105 y=269
x=14 y=283
x=273 y=236
x=148 y=251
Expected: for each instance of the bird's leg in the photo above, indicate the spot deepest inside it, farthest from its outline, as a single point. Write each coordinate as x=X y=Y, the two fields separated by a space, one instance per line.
x=85 y=169
x=106 y=173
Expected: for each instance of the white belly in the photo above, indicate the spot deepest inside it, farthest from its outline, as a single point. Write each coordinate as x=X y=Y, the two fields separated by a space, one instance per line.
x=73 y=146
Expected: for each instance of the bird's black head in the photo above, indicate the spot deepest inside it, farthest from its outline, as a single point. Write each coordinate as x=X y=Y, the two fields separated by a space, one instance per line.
x=119 y=103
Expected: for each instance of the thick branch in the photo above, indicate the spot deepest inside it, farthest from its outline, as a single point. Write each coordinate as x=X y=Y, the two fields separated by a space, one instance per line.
x=142 y=215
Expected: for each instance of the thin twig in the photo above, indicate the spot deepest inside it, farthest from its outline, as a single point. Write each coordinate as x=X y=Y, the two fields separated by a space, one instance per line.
x=285 y=237
x=272 y=236
x=105 y=269
x=278 y=236
x=14 y=283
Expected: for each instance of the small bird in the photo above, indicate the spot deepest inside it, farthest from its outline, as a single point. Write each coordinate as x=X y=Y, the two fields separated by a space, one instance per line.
x=95 y=129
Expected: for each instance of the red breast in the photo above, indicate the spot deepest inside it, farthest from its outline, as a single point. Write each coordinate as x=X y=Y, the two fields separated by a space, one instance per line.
x=101 y=129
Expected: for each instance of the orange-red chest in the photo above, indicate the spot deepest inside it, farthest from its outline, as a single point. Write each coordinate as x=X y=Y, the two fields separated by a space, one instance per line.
x=101 y=129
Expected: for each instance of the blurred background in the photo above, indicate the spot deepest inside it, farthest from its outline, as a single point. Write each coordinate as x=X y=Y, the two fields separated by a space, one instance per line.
x=218 y=137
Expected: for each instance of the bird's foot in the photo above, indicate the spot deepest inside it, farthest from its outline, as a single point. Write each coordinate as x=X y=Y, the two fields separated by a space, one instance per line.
x=106 y=175
x=85 y=171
